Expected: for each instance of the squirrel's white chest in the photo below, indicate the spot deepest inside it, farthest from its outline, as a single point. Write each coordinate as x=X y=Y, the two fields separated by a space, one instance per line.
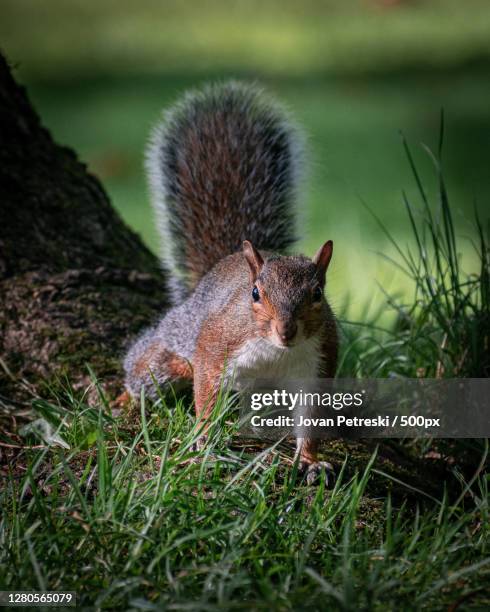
x=259 y=358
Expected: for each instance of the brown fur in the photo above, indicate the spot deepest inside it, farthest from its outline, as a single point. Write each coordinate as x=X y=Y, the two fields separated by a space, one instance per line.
x=157 y=356
x=219 y=338
x=264 y=312
x=309 y=451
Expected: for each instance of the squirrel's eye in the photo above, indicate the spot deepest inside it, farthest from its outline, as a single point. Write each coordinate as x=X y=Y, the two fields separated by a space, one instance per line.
x=255 y=294
x=317 y=294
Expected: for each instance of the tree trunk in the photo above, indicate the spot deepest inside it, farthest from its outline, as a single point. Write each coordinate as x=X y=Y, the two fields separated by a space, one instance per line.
x=75 y=282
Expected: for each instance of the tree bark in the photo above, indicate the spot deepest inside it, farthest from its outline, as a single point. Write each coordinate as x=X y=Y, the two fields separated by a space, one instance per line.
x=75 y=282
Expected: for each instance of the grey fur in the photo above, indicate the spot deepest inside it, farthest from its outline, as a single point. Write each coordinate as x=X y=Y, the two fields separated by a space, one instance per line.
x=179 y=328
x=265 y=154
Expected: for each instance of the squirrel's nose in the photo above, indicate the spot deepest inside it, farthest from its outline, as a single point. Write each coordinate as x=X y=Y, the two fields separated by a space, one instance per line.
x=286 y=330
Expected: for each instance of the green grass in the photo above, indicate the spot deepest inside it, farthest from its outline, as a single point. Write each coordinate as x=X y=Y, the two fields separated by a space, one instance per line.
x=274 y=38
x=128 y=518
x=120 y=509
x=443 y=328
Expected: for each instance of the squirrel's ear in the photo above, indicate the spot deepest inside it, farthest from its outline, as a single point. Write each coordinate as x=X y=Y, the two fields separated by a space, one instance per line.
x=254 y=259
x=322 y=259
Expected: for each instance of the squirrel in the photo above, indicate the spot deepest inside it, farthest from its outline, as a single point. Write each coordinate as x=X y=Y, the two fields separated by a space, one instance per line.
x=224 y=168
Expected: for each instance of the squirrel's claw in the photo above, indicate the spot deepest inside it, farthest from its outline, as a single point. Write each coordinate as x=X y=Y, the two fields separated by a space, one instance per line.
x=313 y=471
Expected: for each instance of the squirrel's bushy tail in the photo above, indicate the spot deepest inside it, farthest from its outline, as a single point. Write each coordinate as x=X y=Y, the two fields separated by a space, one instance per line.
x=223 y=167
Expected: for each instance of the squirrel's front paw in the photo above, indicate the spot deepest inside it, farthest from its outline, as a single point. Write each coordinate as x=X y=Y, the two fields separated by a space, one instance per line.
x=313 y=472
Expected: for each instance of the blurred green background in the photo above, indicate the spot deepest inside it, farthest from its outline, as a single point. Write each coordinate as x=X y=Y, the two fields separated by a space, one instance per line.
x=354 y=73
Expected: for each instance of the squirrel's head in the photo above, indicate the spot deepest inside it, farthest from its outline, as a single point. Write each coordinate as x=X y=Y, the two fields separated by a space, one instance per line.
x=286 y=294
